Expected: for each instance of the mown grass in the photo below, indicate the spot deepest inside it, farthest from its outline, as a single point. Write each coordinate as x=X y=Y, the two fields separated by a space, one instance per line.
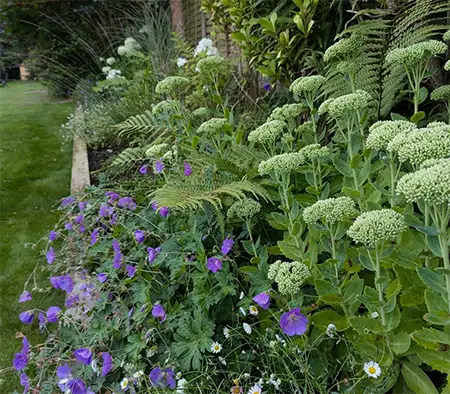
x=35 y=168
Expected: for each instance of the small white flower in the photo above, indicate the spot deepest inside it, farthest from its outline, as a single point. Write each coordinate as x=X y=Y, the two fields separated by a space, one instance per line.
x=372 y=369
x=275 y=382
x=222 y=360
x=242 y=295
x=94 y=366
x=247 y=328
x=331 y=329
x=242 y=310
x=246 y=375
x=178 y=375
x=253 y=310
x=226 y=332
x=101 y=59
x=106 y=69
x=124 y=384
x=216 y=347
x=181 y=384
x=181 y=61
x=374 y=315
x=110 y=61
x=256 y=389
x=138 y=374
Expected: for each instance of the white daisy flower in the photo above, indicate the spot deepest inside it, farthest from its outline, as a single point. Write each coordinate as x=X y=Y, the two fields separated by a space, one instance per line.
x=256 y=389
x=331 y=329
x=372 y=369
x=247 y=328
x=374 y=315
x=226 y=332
x=216 y=347
x=124 y=384
x=242 y=310
x=253 y=310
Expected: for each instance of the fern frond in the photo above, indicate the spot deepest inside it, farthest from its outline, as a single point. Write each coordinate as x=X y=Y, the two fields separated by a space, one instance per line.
x=144 y=124
x=130 y=156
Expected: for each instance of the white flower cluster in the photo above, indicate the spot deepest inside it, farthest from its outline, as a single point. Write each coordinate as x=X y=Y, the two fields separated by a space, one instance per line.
x=113 y=74
x=349 y=103
x=213 y=65
x=171 y=85
x=155 y=151
x=323 y=108
x=166 y=106
x=244 y=209
x=439 y=125
x=416 y=53
x=430 y=185
x=286 y=112
x=212 y=126
x=315 y=152
x=206 y=45
x=441 y=93
x=267 y=133
x=344 y=49
x=383 y=132
x=110 y=61
x=281 y=164
x=373 y=227
x=181 y=61
x=129 y=48
x=307 y=84
x=330 y=211
x=289 y=276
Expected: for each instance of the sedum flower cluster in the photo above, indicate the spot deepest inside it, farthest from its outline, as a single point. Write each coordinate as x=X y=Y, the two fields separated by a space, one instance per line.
x=281 y=164
x=433 y=162
x=330 y=211
x=441 y=93
x=423 y=144
x=373 y=227
x=286 y=112
x=416 y=53
x=155 y=151
x=244 y=209
x=289 y=276
x=447 y=66
x=306 y=127
x=166 y=106
x=212 y=65
x=344 y=48
x=315 y=152
x=307 y=84
x=349 y=103
x=383 y=132
x=171 y=85
x=446 y=35
x=430 y=184
x=439 y=125
x=267 y=133
x=323 y=108
x=129 y=48
x=212 y=126
x=201 y=112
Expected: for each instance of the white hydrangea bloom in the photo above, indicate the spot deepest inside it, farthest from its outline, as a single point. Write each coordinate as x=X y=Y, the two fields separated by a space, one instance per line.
x=205 y=45
x=181 y=61
x=110 y=61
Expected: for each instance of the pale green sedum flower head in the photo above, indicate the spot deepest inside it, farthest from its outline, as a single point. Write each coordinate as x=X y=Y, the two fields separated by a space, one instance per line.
x=330 y=211
x=212 y=65
x=374 y=227
x=306 y=127
x=281 y=164
x=315 y=152
x=416 y=53
x=324 y=107
x=447 y=65
x=244 y=209
x=267 y=133
x=446 y=35
x=201 y=112
x=382 y=132
x=430 y=185
x=349 y=103
x=286 y=112
x=168 y=106
x=171 y=85
x=212 y=126
x=344 y=48
x=156 y=151
x=307 y=84
x=289 y=276
x=441 y=93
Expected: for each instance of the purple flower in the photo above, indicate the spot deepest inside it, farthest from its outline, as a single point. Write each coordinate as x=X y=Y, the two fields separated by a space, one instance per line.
x=104 y=210
x=26 y=317
x=227 y=245
x=293 y=322
x=102 y=277
x=151 y=255
x=68 y=226
x=116 y=245
x=214 y=264
x=140 y=235
x=82 y=229
x=53 y=235
x=159 y=167
x=107 y=363
x=159 y=312
x=77 y=386
x=42 y=321
x=24 y=382
x=158 y=249
x=50 y=255
x=113 y=219
x=263 y=300
x=130 y=312
x=52 y=314
x=127 y=202
x=25 y=345
x=64 y=372
x=187 y=169
x=72 y=300
x=67 y=201
x=143 y=170
x=83 y=355
x=63 y=282
x=79 y=219
x=25 y=296
x=162 y=378
x=94 y=236
x=112 y=195
x=131 y=271
x=154 y=206
x=164 y=211
x=82 y=205
x=20 y=361
x=117 y=261
x=266 y=86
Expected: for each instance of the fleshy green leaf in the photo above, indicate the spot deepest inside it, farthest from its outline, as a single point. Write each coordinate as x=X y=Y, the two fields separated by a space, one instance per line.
x=400 y=343
x=417 y=380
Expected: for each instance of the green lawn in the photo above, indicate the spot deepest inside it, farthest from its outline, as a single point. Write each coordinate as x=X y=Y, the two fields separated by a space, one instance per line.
x=35 y=170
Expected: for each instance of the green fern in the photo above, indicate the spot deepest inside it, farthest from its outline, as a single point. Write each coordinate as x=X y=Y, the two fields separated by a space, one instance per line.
x=143 y=124
x=131 y=156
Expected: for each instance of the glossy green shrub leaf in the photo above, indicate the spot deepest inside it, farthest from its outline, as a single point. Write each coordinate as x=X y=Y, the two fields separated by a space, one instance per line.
x=400 y=343
x=366 y=325
x=393 y=319
x=353 y=289
x=417 y=380
x=393 y=288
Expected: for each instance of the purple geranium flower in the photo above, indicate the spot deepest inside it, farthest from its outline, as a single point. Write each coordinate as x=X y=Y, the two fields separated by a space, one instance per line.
x=164 y=211
x=64 y=372
x=130 y=312
x=82 y=205
x=94 y=236
x=112 y=195
x=227 y=245
x=159 y=167
x=187 y=169
x=143 y=169
x=107 y=363
x=63 y=282
x=116 y=245
x=25 y=345
x=26 y=317
x=77 y=386
x=79 y=219
x=42 y=321
x=140 y=235
x=50 y=255
x=159 y=312
x=82 y=229
x=102 y=277
x=20 y=361
x=67 y=201
x=113 y=219
x=53 y=235
x=266 y=86
x=83 y=355
x=25 y=296
x=263 y=300
x=68 y=226
x=24 y=382
x=72 y=300
x=151 y=255
x=117 y=261
x=162 y=378
x=154 y=206
x=52 y=314
x=214 y=264
x=104 y=210
x=127 y=203
x=131 y=271
x=293 y=322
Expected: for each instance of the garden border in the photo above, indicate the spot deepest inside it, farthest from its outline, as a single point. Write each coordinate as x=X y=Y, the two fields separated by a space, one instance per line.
x=80 y=165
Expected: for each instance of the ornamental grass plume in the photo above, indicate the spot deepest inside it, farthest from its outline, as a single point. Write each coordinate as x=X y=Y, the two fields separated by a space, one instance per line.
x=349 y=103
x=307 y=84
x=281 y=164
x=373 y=227
x=267 y=133
x=244 y=209
x=171 y=85
x=166 y=106
x=286 y=112
x=212 y=126
x=315 y=152
x=441 y=93
x=289 y=276
x=330 y=211
x=382 y=132
x=416 y=53
x=344 y=49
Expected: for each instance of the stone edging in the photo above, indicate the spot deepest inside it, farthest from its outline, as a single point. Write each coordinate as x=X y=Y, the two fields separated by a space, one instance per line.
x=80 y=166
